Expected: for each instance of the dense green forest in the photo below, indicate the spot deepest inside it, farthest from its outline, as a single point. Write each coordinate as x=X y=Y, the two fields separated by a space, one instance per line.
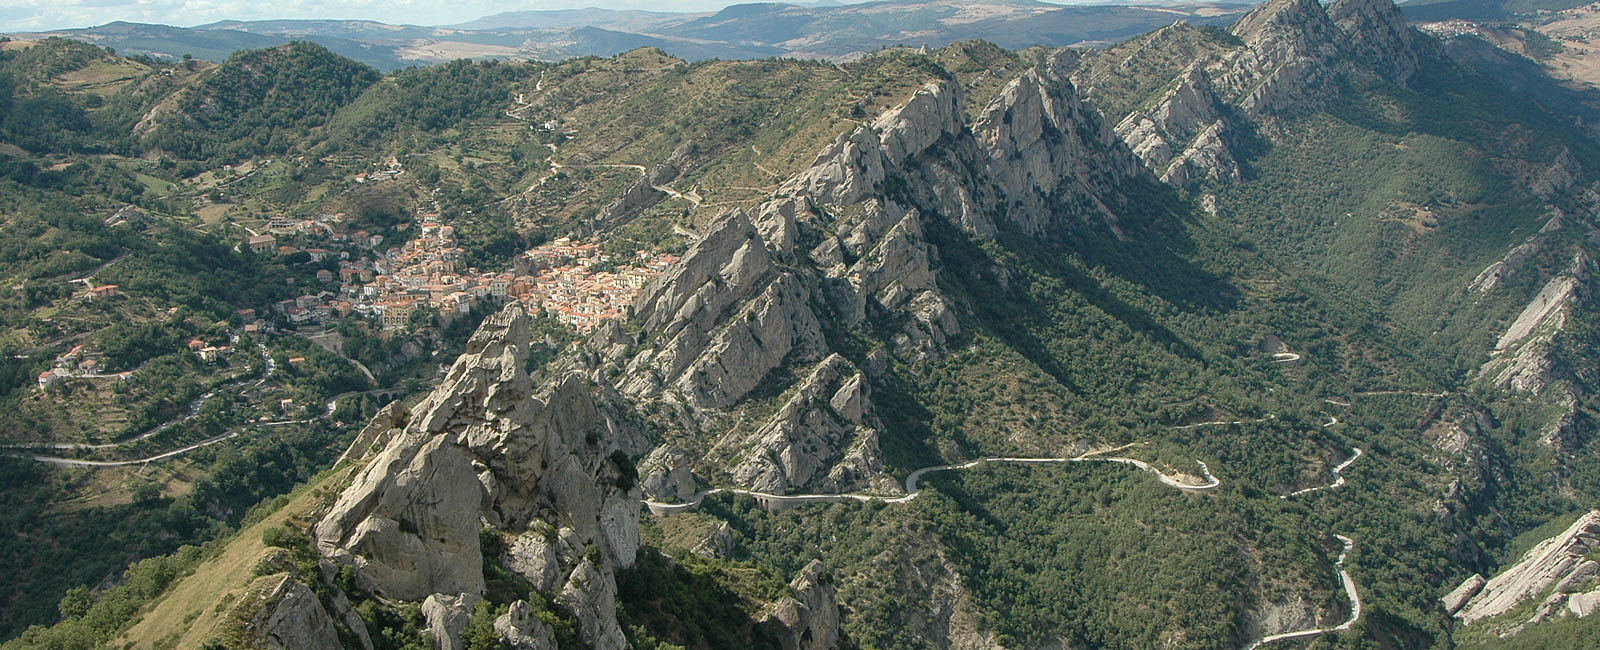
x=1349 y=241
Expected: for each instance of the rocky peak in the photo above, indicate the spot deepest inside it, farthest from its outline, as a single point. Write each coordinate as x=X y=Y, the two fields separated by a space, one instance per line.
x=485 y=448
x=1282 y=30
x=842 y=246
x=1185 y=137
x=1376 y=32
x=1044 y=143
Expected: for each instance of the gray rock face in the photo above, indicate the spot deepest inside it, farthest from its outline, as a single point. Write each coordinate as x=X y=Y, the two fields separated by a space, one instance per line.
x=1379 y=34
x=707 y=358
x=1044 y=145
x=1581 y=605
x=536 y=559
x=810 y=619
x=447 y=618
x=1560 y=176
x=667 y=475
x=1507 y=266
x=819 y=440
x=1184 y=137
x=378 y=432
x=1458 y=597
x=1293 y=55
x=1522 y=359
x=591 y=594
x=410 y=524
x=1557 y=561
x=519 y=630
x=719 y=544
x=1283 y=65
x=483 y=448
x=294 y=619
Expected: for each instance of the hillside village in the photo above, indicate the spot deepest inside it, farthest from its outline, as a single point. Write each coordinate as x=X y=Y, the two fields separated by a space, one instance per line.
x=570 y=280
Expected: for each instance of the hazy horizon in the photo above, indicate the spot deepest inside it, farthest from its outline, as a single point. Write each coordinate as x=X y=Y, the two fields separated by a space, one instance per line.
x=51 y=15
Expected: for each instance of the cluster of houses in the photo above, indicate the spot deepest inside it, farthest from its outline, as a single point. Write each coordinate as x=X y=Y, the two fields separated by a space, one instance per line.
x=77 y=363
x=322 y=226
x=573 y=281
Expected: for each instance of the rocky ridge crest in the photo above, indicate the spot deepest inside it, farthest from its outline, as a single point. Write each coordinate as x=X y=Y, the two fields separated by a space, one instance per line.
x=1291 y=54
x=483 y=448
x=1556 y=570
x=843 y=246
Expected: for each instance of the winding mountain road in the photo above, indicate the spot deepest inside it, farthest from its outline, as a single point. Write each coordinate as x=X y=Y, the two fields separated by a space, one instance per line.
x=1218 y=423
x=1349 y=591
x=194 y=409
x=1338 y=476
x=248 y=383
x=73 y=462
x=913 y=490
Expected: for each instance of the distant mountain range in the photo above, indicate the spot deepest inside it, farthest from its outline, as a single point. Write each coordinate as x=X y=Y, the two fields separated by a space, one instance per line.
x=821 y=30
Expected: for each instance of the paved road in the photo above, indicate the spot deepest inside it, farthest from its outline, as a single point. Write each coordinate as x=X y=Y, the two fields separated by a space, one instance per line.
x=73 y=462
x=913 y=490
x=194 y=409
x=1216 y=423
x=1349 y=592
x=1338 y=475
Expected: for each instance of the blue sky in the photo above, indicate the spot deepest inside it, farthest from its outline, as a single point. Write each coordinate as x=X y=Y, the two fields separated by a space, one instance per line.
x=37 y=15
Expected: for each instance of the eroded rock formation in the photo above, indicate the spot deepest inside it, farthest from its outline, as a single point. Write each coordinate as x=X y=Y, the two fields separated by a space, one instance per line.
x=1557 y=571
x=484 y=449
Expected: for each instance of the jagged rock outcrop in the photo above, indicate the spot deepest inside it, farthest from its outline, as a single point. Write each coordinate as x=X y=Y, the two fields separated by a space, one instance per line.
x=1183 y=138
x=447 y=618
x=723 y=318
x=293 y=619
x=844 y=244
x=642 y=194
x=719 y=543
x=535 y=557
x=1283 y=65
x=808 y=620
x=1291 y=58
x=1523 y=359
x=1379 y=35
x=1566 y=433
x=1559 y=177
x=1545 y=310
x=666 y=474
x=519 y=630
x=483 y=448
x=373 y=437
x=591 y=595
x=1045 y=146
x=1553 y=570
x=1458 y=597
x=820 y=439
x=1507 y=266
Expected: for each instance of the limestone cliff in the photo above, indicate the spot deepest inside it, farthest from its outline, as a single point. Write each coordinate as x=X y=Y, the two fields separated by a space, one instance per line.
x=1290 y=57
x=485 y=449
x=1558 y=571
x=1523 y=358
x=1185 y=137
x=843 y=247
